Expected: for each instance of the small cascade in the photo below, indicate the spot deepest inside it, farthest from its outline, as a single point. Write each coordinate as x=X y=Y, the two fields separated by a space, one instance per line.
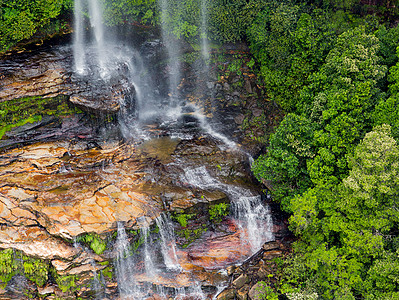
x=98 y=282
x=150 y=268
x=91 y=54
x=124 y=264
x=253 y=215
x=168 y=243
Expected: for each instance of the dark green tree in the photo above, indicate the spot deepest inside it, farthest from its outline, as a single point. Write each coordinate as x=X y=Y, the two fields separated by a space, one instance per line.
x=20 y=19
x=346 y=229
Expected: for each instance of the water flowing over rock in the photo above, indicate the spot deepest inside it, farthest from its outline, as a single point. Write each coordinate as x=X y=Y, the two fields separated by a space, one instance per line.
x=141 y=196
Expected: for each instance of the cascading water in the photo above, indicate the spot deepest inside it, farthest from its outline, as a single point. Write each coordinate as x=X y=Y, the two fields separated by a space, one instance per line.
x=173 y=49
x=150 y=269
x=80 y=55
x=104 y=65
x=249 y=209
x=97 y=24
x=204 y=31
x=78 y=38
x=98 y=282
x=168 y=243
x=124 y=264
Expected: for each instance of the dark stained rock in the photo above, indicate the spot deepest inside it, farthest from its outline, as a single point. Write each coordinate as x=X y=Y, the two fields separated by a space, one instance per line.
x=228 y=294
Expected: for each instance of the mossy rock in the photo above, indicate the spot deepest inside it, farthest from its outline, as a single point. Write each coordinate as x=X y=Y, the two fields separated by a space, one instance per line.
x=19 y=112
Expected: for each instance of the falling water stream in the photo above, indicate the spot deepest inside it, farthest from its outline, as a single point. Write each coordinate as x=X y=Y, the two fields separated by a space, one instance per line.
x=159 y=256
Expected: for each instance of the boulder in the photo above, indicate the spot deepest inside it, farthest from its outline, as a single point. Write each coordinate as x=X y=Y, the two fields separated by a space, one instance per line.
x=256 y=292
x=228 y=294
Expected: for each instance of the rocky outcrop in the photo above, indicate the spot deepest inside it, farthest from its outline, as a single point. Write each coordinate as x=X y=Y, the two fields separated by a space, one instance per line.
x=247 y=281
x=65 y=192
x=48 y=75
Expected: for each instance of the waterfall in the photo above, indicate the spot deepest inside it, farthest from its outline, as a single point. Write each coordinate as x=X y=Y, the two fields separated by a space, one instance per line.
x=204 y=31
x=97 y=283
x=150 y=269
x=168 y=243
x=79 y=42
x=78 y=38
x=173 y=50
x=124 y=264
x=96 y=22
x=253 y=215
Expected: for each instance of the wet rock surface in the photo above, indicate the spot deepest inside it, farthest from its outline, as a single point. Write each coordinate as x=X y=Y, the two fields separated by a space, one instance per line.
x=247 y=281
x=69 y=182
x=48 y=74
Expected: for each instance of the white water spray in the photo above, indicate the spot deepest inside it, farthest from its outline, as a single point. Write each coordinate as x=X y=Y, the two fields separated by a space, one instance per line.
x=96 y=22
x=249 y=209
x=78 y=39
x=150 y=269
x=125 y=265
x=173 y=50
x=204 y=31
x=168 y=243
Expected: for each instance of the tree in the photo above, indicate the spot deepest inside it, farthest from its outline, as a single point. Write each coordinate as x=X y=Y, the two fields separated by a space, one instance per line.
x=284 y=166
x=346 y=230
x=343 y=95
x=20 y=19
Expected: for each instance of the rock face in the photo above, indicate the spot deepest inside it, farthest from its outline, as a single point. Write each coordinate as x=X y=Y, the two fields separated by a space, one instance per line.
x=248 y=280
x=70 y=187
x=48 y=75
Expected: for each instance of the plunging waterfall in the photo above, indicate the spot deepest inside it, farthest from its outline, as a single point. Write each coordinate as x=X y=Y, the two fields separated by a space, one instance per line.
x=96 y=22
x=173 y=51
x=204 y=31
x=168 y=243
x=78 y=38
x=155 y=258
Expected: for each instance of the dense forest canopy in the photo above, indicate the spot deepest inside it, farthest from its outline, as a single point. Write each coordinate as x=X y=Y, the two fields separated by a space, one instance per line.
x=332 y=162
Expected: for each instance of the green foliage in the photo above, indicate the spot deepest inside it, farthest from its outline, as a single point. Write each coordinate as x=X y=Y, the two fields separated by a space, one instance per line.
x=182 y=218
x=66 y=283
x=387 y=112
x=289 y=46
x=285 y=165
x=191 y=234
x=267 y=293
x=108 y=272
x=218 y=211
x=345 y=228
x=129 y=11
x=15 y=262
x=229 y=20
x=94 y=241
x=7 y=266
x=20 y=19
x=339 y=182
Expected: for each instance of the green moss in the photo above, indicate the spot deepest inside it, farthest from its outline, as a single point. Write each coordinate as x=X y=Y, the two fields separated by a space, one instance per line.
x=108 y=272
x=182 y=218
x=18 y=112
x=218 y=211
x=190 y=235
x=94 y=241
x=66 y=283
x=15 y=262
x=7 y=266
